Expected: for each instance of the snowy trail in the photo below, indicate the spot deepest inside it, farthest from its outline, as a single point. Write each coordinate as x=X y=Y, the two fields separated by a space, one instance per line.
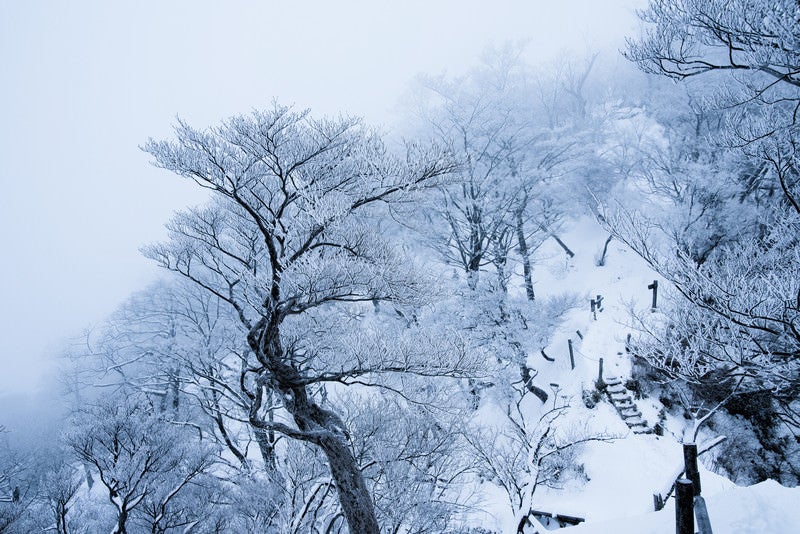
x=622 y=475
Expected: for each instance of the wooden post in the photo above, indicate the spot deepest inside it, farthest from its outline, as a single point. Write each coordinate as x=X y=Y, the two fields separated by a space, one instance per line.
x=571 y=355
x=654 y=287
x=684 y=507
x=701 y=513
x=600 y=373
x=564 y=246
x=658 y=502
x=690 y=465
x=602 y=261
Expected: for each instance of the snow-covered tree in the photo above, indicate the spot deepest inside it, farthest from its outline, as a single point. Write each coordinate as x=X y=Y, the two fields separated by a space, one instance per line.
x=528 y=446
x=181 y=346
x=722 y=217
x=516 y=162
x=414 y=457
x=144 y=463
x=18 y=485
x=478 y=117
x=291 y=241
x=734 y=266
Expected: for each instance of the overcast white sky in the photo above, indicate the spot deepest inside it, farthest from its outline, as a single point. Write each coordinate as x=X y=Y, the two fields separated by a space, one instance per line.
x=83 y=83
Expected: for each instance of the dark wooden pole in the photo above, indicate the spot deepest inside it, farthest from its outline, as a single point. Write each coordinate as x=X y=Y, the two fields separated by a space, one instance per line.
x=654 y=287
x=571 y=355
x=602 y=261
x=690 y=465
x=600 y=374
x=658 y=502
x=684 y=507
x=564 y=246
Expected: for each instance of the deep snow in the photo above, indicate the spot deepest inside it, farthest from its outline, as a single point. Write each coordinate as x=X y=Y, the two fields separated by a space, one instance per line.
x=623 y=474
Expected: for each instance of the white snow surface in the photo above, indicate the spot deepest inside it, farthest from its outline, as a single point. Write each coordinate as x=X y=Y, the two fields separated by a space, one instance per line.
x=765 y=508
x=622 y=474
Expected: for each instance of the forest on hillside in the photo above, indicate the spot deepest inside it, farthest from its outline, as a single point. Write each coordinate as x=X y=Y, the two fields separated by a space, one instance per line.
x=353 y=333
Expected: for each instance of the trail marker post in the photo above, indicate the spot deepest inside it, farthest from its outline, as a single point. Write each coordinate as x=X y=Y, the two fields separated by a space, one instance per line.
x=600 y=382
x=690 y=465
x=654 y=287
x=684 y=507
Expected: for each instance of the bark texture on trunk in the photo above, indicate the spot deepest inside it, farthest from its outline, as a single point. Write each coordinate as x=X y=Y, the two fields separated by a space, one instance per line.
x=525 y=255
x=328 y=432
x=267 y=448
x=475 y=252
x=122 y=519
x=61 y=518
x=315 y=424
x=353 y=493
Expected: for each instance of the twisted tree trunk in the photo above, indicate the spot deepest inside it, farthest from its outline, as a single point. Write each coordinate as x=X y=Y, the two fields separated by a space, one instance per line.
x=315 y=425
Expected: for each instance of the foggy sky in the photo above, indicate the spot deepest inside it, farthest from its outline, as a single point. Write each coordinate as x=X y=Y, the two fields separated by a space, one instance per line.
x=85 y=83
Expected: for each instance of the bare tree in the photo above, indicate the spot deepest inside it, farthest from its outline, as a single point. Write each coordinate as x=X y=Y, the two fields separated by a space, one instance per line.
x=739 y=322
x=694 y=37
x=182 y=346
x=59 y=488
x=479 y=117
x=525 y=452
x=143 y=462
x=289 y=242
x=737 y=278
x=413 y=456
x=747 y=50
x=523 y=138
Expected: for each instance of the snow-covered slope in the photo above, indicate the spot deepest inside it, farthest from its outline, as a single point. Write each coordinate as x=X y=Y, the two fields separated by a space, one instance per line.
x=623 y=474
x=765 y=508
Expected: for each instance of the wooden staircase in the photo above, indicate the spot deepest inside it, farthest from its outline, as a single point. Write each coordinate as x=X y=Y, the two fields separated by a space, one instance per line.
x=622 y=400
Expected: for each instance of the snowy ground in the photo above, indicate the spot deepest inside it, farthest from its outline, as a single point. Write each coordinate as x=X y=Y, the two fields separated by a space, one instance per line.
x=624 y=474
x=765 y=508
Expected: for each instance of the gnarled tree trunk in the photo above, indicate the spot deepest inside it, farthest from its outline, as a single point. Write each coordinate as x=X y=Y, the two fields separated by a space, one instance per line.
x=315 y=425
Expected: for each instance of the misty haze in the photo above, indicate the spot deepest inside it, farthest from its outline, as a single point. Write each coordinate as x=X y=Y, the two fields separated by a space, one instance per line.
x=418 y=267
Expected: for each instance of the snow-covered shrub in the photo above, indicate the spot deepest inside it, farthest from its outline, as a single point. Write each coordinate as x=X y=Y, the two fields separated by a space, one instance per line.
x=591 y=397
